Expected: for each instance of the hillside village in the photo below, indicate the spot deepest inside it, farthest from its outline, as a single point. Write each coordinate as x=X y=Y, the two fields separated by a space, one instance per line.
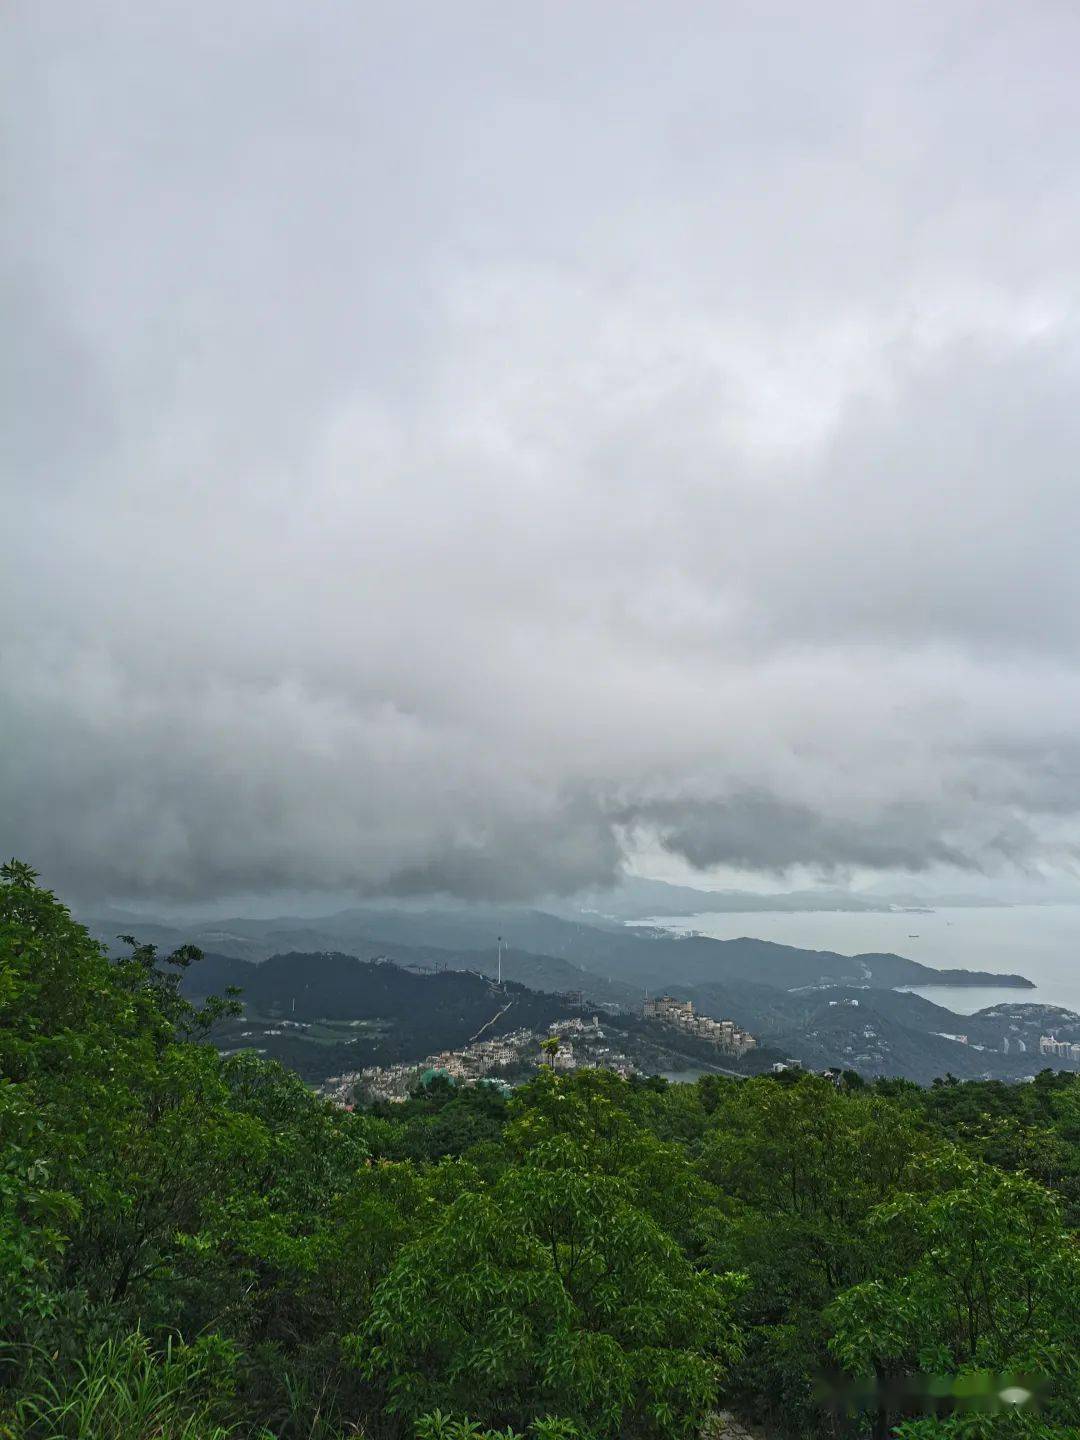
x=579 y=1044
x=583 y=1043
x=725 y=1034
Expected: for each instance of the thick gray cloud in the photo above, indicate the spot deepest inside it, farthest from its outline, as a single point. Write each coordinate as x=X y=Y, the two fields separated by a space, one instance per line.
x=460 y=447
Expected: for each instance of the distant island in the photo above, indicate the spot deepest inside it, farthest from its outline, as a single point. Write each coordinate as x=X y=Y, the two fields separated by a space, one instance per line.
x=952 y=978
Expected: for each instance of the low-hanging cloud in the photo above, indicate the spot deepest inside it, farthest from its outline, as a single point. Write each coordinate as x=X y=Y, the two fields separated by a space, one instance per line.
x=441 y=459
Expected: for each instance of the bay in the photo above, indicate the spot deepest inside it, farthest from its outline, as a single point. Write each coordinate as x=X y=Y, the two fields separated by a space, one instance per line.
x=1041 y=942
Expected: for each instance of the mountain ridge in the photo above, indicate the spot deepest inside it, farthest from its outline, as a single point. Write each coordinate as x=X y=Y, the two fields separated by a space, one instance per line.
x=628 y=959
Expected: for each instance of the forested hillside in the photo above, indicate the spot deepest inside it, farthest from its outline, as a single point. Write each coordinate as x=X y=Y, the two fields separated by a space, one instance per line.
x=195 y=1247
x=355 y=1013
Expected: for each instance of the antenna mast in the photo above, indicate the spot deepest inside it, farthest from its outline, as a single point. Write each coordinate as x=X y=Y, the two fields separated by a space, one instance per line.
x=500 y=961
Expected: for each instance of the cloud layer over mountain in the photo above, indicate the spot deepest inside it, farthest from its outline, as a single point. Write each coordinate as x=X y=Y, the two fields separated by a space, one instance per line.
x=451 y=447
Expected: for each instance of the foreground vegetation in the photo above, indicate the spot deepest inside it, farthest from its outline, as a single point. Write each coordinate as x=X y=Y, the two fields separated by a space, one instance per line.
x=196 y=1247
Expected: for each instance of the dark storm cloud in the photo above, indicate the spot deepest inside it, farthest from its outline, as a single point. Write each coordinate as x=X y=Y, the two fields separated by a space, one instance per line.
x=762 y=832
x=451 y=448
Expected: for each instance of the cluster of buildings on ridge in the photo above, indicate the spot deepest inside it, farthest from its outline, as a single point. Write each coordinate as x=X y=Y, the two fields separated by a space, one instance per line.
x=724 y=1034
x=1063 y=1049
x=1013 y=1044
x=526 y=1050
x=486 y=1059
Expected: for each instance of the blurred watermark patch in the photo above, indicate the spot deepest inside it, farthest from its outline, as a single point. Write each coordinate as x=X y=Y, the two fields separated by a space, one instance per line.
x=979 y=1390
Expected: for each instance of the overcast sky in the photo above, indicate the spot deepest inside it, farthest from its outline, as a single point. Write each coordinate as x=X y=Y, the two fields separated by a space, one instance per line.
x=469 y=447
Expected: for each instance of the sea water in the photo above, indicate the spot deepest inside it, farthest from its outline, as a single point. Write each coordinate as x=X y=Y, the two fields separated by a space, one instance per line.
x=1041 y=942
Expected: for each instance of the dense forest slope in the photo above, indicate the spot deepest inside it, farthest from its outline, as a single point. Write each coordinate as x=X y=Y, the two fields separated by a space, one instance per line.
x=390 y=1014
x=194 y=1247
